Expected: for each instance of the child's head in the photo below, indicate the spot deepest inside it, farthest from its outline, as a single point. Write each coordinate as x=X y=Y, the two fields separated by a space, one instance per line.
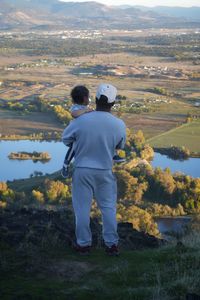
x=80 y=95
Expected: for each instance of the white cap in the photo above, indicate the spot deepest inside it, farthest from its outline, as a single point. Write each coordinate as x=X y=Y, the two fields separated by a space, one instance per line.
x=107 y=90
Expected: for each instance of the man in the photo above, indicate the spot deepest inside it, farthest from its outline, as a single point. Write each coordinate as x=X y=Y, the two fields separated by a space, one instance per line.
x=95 y=137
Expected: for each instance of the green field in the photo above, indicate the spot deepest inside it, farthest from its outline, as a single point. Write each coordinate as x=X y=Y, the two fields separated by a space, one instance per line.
x=187 y=135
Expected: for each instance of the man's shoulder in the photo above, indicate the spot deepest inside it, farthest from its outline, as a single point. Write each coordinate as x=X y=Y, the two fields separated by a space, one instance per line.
x=118 y=120
x=96 y=116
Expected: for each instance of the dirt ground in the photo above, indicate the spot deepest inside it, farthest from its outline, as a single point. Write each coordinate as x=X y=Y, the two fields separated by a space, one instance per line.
x=150 y=125
x=13 y=123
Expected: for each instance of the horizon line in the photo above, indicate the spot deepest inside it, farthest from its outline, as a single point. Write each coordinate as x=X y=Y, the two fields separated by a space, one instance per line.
x=132 y=5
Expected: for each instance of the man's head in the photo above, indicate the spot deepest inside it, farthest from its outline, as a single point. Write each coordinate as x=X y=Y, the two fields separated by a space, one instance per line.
x=105 y=96
x=80 y=95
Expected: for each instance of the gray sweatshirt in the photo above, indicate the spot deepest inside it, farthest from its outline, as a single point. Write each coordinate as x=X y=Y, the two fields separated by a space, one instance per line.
x=95 y=136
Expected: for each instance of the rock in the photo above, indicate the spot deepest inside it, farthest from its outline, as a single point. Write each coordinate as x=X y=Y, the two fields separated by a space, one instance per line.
x=131 y=239
x=41 y=227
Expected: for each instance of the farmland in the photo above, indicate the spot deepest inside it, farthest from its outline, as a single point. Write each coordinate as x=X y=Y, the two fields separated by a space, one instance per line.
x=187 y=135
x=158 y=91
x=12 y=122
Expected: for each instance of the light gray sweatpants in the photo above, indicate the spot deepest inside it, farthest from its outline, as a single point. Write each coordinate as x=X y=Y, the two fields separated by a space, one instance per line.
x=88 y=183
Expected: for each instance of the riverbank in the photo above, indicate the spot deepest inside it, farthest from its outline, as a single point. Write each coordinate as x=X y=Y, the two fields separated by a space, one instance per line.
x=55 y=136
x=176 y=153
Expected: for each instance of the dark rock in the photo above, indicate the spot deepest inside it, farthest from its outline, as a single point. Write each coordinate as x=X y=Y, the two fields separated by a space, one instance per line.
x=132 y=239
x=56 y=228
x=125 y=226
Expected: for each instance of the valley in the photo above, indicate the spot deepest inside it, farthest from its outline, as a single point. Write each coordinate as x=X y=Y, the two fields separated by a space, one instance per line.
x=156 y=92
x=152 y=56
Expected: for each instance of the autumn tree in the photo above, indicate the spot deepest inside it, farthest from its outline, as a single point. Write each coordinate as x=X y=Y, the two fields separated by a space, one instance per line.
x=56 y=191
x=140 y=219
x=128 y=187
x=38 y=196
x=62 y=114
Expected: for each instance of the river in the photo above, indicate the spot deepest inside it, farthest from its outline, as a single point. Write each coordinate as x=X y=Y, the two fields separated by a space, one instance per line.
x=190 y=166
x=18 y=169
x=15 y=169
x=174 y=225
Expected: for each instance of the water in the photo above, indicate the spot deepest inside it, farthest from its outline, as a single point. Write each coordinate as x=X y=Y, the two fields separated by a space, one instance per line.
x=172 y=224
x=188 y=167
x=16 y=169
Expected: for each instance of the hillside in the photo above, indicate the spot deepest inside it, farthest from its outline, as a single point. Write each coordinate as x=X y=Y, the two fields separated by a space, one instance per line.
x=189 y=13
x=38 y=263
x=54 y=14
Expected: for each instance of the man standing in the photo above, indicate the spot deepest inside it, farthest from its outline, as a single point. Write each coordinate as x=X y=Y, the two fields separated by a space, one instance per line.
x=95 y=137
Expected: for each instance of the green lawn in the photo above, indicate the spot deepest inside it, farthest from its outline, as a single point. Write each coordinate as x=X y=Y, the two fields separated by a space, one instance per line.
x=187 y=135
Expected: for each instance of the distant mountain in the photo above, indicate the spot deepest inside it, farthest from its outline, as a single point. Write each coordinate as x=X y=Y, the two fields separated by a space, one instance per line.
x=189 y=13
x=125 y=6
x=52 y=14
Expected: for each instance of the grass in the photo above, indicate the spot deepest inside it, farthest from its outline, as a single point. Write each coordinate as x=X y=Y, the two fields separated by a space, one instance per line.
x=29 y=184
x=187 y=135
x=58 y=273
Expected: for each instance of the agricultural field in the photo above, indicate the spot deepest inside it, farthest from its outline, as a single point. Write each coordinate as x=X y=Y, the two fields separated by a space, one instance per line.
x=187 y=135
x=14 y=123
x=158 y=90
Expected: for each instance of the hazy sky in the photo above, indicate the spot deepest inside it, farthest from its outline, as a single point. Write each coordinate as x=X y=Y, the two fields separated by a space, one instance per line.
x=186 y=3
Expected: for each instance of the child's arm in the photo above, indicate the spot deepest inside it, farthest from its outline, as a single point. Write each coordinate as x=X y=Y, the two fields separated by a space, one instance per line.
x=77 y=113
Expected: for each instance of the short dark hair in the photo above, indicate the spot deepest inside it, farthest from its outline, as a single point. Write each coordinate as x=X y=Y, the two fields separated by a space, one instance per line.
x=78 y=94
x=102 y=102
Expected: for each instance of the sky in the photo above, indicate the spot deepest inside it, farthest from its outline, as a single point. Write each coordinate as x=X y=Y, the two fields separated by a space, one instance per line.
x=185 y=3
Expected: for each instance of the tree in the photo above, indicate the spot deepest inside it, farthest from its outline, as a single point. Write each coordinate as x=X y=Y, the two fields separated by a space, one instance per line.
x=129 y=189
x=38 y=196
x=147 y=153
x=56 y=191
x=164 y=180
x=3 y=186
x=140 y=219
x=6 y=194
x=139 y=138
x=63 y=115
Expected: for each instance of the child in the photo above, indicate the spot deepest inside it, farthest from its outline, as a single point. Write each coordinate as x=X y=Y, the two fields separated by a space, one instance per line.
x=80 y=99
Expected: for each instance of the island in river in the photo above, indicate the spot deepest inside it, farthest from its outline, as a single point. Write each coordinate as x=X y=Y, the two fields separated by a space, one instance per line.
x=42 y=156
